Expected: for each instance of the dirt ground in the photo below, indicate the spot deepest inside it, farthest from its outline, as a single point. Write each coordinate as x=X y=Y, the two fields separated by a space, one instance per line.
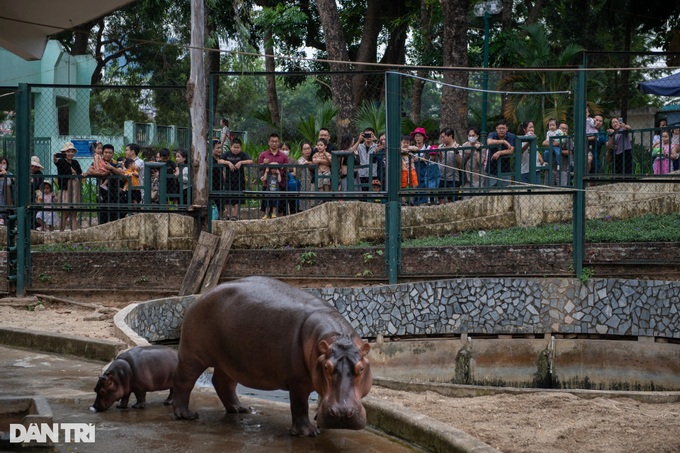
x=537 y=422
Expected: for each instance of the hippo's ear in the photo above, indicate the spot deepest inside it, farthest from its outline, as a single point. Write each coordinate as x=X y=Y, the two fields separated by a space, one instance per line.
x=324 y=348
x=365 y=348
x=108 y=381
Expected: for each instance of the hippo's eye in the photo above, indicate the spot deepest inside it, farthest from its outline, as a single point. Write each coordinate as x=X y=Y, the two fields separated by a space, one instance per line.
x=328 y=367
x=359 y=368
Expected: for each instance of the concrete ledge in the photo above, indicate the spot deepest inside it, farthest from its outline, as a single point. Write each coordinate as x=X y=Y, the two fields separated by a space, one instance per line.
x=469 y=391
x=88 y=348
x=123 y=331
x=420 y=429
x=36 y=409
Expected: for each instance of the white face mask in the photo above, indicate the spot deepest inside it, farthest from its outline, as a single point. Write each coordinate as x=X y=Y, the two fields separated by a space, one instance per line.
x=472 y=139
x=285 y=152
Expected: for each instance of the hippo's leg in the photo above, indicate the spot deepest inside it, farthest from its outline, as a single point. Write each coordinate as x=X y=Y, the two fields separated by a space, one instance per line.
x=183 y=383
x=124 y=401
x=299 y=409
x=168 y=400
x=226 y=390
x=141 y=400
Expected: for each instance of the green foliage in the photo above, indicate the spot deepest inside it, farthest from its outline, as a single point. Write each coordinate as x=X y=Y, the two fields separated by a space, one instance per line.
x=67 y=267
x=309 y=126
x=371 y=114
x=111 y=107
x=586 y=274
x=368 y=257
x=536 y=50
x=45 y=278
x=89 y=191
x=32 y=307
x=307 y=259
x=285 y=21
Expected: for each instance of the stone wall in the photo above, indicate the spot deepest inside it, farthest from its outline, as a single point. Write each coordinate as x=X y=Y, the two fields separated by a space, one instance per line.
x=478 y=306
x=161 y=231
x=133 y=270
x=150 y=270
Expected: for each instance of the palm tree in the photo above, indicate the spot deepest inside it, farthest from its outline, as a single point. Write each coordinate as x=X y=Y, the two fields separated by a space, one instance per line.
x=309 y=126
x=534 y=50
x=371 y=114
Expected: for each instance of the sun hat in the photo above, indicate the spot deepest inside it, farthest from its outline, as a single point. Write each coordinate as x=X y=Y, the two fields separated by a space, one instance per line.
x=35 y=162
x=419 y=130
x=68 y=145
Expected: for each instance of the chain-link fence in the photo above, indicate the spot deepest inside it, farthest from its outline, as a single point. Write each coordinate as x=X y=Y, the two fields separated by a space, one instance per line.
x=633 y=147
x=94 y=148
x=282 y=144
x=90 y=156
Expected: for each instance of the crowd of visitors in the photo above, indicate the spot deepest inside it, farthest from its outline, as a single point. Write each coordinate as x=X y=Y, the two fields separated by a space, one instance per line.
x=506 y=156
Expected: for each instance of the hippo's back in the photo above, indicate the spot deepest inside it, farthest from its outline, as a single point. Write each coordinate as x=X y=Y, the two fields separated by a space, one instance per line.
x=253 y=310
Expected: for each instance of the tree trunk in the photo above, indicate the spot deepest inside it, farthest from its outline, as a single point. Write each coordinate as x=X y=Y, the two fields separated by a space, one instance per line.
x=270 y=67
x=81 y=38
x=419 y=85
x=213 y=65
x=368 y=48
x=336 y=46
x=454 y=100
x=396 y=41
x=506 y=15
x=535 y=11
x=625 y=75
x=196 y=97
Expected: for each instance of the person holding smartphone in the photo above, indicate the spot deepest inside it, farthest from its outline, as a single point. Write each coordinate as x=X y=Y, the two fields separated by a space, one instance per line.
x=365 y=151
x=620 y=146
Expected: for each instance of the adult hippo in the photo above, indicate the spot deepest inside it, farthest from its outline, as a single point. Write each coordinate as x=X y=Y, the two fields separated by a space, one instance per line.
x=267 y=335
x=137 y=370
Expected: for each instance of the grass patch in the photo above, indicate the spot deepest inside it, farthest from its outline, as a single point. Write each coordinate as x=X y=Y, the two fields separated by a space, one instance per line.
x=647 y=228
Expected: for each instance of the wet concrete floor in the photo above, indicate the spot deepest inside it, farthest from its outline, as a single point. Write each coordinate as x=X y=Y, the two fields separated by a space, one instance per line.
x=67 y=382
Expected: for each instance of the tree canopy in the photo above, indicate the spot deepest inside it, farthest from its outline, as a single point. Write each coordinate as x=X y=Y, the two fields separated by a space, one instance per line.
x=146 y=43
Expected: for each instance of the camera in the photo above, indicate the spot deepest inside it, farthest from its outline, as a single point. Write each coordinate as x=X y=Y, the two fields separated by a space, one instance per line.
x=367 y=135
x=60 y=155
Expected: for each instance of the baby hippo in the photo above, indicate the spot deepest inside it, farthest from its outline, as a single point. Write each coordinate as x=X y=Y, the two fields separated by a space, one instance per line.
x=137 y=370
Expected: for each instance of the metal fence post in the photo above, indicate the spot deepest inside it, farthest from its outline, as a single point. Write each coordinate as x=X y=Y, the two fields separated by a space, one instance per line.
x=580 y=160
x=393 y=214
x=23 y=240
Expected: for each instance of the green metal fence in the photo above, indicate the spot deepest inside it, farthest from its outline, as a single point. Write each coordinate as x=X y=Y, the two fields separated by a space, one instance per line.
x=433 y=188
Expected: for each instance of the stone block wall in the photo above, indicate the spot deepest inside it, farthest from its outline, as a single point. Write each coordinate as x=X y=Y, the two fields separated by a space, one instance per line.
x=160 y=319
x=477 y=306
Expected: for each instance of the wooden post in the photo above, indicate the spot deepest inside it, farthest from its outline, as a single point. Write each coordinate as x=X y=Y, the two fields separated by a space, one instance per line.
x=203 y=253
x=219 y=260
x=196 y=96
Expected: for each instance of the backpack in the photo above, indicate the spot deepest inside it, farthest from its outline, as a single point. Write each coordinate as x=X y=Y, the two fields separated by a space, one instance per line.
x=293 y=184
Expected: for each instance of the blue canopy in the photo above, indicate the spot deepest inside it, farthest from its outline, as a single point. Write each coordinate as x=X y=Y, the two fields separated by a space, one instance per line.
x=665 y=86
